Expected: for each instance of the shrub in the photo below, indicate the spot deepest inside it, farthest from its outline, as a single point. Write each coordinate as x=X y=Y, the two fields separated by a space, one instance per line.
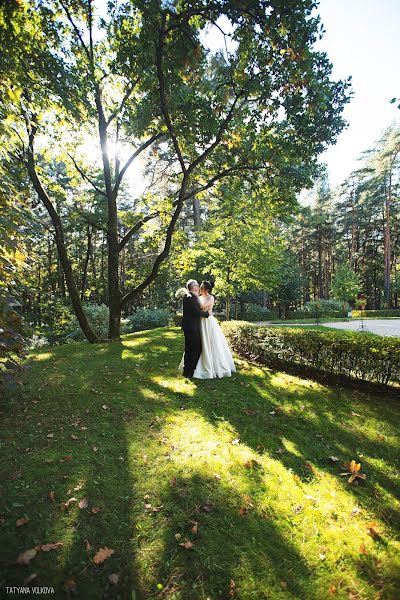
x=255 y=312
x=377 y=313
x=324 y=307
x=98 y=317
x=177 y=319
x=352 y=355
x=12 y=343
x=147 y=318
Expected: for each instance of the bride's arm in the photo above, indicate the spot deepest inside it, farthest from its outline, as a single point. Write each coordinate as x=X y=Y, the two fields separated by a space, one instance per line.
x=208 y=304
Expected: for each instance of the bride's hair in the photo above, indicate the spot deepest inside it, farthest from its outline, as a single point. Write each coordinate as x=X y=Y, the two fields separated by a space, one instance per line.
x=207 y=285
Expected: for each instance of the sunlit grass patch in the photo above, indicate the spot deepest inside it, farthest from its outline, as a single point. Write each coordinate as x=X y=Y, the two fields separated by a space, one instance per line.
x=205 y=489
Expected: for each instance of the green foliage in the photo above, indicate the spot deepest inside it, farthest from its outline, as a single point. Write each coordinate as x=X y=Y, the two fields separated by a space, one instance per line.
x=326 y=307
x=388 y=313
x=352 y=355
x=346 y=284
x=12 y=344
x=98 y=317
x=147 y=318
x=254 y=312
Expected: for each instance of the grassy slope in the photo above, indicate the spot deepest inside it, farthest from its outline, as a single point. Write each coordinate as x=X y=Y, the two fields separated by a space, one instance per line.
x=157 y=454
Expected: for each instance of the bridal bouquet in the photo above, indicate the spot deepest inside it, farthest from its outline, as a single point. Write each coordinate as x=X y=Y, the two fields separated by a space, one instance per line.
x=181 y=293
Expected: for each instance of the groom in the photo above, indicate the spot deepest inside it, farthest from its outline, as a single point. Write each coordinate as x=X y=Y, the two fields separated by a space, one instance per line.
x=191 y=327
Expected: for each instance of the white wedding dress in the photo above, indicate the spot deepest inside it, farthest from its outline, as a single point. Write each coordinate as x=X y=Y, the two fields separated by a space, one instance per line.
x=216 y=359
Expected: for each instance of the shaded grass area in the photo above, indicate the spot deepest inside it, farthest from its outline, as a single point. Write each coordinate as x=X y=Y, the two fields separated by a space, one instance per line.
x=239 y=467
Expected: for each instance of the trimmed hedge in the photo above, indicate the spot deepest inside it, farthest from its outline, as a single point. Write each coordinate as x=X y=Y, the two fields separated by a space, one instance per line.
x=352 y=355
x=389 y=312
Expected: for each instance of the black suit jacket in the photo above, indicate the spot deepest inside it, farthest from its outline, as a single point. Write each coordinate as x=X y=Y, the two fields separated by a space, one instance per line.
x=192 y=313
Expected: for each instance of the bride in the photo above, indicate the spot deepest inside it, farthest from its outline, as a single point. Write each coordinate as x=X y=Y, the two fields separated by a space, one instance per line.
x=216 y=358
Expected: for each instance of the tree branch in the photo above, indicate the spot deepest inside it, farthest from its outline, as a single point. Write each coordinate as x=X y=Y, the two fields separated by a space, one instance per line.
x=167 y=245
x=132 y=158
x=78 y=33
x=123 y=102
x=86 y=177
x=134 y=229
x=163 y=98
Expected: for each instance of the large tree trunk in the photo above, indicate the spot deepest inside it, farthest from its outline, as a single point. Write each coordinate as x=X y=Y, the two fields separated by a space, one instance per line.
x=196 y=212
x=114 y=294
x=60 y=240
x=86 y=263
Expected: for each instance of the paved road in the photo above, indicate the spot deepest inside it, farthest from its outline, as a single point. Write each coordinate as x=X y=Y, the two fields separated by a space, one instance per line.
x=379 y=326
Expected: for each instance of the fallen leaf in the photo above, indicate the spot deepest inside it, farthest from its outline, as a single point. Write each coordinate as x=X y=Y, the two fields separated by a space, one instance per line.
x=88 y=546
x=96 y=509
x=178 y=536
x=251 y=463
x=102 y=555
x=50 y=435
x=114 y=578
x=296 y=477
x=22 y=521
x=188 y=544
x=235 y=441
x=243 y=511
x=104 y=407
x=362 y=549
x=373 y=531
x=25 y=557
x=250 y=412
x=217 y=476
x=94 y=448
x=30 y=578
x=146 y=497
x=355 y=414
x=355 y=511
x=334 y=458
x=310 y=498
x=74 y=437
x=78 y=487
x=308 y=466
x=172 y=482
x=322 y=556
x=195 y=527
x=283 y=584
x=332 y=589
x=70 y=586
x=232 y=586
x=83 y=503
x=353 y=469
x=48 y=547
x=68 y=502
x=66 y=458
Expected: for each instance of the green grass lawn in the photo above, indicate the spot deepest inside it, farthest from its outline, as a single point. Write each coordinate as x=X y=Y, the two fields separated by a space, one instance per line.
x=203 y=489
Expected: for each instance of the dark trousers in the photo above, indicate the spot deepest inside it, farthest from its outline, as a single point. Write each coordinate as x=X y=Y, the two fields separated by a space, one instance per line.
x=192 y=351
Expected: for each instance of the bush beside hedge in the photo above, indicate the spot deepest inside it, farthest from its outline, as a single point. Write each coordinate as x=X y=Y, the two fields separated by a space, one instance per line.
x=377 y=313
x=352 y=355
x=146 y=318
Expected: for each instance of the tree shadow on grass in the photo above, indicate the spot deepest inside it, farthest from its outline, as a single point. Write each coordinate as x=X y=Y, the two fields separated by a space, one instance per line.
x=225 y=541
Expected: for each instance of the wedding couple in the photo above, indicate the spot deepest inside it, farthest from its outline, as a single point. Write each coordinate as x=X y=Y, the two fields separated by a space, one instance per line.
x=207 y=353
